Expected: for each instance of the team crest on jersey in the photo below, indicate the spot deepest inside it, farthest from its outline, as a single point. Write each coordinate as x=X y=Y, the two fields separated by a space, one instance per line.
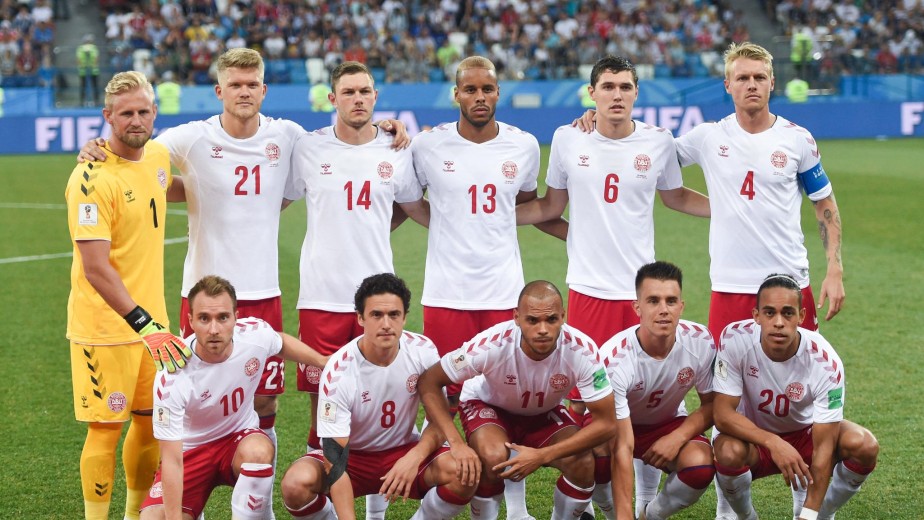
x=386 y=170
x=313 y=375
x=795 y=391
x=685 y=376
x=584 y=160
x=216 y=152
x=116 y=402
x=510 y=169
x=753 y=371
x=449 y=166
x=487 y=413
x=157 y=490
x=779 y=159
x=325 y=169
x=162 y=178
x=642 y=162
x=559 y=382
x=723 y=150
x=272 y=152
x=251 y=367
x=411 y=383
x=510 y=379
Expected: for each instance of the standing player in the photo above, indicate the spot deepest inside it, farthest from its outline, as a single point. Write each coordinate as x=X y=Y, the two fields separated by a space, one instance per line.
x=756 y=163
x=116 y=211
x=369 y=404
x=611 y=176
x=476 y=170
x=779 y=405
x=204 y=417
x=516 y=374
x=652 y=366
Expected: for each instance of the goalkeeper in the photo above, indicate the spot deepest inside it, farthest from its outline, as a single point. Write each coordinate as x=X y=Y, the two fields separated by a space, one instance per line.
x=116 y=313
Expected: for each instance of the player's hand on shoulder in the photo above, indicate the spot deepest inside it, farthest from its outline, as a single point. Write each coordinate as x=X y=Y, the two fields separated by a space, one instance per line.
x=92 y=151
x=397 y=129
x=585 y=123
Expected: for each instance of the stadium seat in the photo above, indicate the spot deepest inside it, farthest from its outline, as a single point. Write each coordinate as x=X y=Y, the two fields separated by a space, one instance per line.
x=662 y=71
x=378 y=74
x=297 y=72
x=436 y=75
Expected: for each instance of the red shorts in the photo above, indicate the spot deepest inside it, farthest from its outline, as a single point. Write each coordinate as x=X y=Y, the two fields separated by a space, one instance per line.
x=801 y=440
x=326 y=332
x=204 y=468
x=529 y=430
x=725 y=308
x=366 y=468
x=273 y=381
x=647 y=434
x=600 y=319
x=450 y=328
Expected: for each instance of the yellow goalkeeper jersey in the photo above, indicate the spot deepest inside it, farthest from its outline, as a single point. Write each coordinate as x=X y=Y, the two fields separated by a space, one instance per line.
x=125 y=203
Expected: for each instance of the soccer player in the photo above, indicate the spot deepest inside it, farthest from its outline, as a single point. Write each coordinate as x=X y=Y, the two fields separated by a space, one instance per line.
x=369 y=402
x=611 y=176
x=779 y=406
x=116 y=210
x=652 y=366
x=516 y=374
x=204 y=416
x=756 y=164
x=476 y=170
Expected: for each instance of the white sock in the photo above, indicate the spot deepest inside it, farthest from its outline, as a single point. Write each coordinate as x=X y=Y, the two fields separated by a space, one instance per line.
x=376 y=505
x=253 y=493
x=271 y=433
x=486 y=508
x=723 y=509
x=433 y=507
x=571 y=504
x=603 y=498
x=844 y=484
x=515 y=498
x=325 y=513
x=798 y=498
x=737 y=491
x=675 y=496
x=647 y=479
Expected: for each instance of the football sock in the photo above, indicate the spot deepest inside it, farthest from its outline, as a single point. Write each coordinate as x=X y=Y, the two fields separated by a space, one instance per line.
x=376 y=505
x=681 y=490
x=647 y=479
x=569 y=500
x=252 y=493
x=723 y=509
x=486 y=502
x=735 y=484
x=140 y=456
x=848 y=476
x=515 y=496
x=97 y=468
x=798 y=498
x=603 y=492
x=268 y=426
x=318 y=509
x=440 y=504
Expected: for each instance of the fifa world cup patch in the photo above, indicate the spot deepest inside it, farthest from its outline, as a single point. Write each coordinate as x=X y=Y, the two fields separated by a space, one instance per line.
x=600 y=380
x=721 y=369
x=835 y=398
x=327 y=411
x=459 y=361
x=88 y=215
x=162 y=416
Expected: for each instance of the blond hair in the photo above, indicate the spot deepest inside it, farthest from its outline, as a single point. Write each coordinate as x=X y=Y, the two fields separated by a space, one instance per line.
x=750 y=51
x=124 y=82
x=475 y=62
x=240 y=58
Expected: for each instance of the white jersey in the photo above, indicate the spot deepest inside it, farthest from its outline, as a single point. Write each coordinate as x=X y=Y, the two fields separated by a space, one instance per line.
x=780 y=397
x=611 y=186
x=495 y=370
x=754 y=183
x=234 y=189
x=473 y=257
x=650 y=390
x=375 y=406
x=205 y=401
x=349 y=190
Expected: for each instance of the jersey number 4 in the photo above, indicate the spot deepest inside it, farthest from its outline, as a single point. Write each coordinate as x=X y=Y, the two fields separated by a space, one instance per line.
x=747 y=187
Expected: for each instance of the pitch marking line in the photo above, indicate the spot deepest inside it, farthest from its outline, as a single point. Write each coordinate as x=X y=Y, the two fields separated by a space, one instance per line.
x=33 y=258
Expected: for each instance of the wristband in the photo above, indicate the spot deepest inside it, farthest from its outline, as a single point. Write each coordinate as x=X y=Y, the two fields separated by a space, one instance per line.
x=138 y=318
x=808 y=514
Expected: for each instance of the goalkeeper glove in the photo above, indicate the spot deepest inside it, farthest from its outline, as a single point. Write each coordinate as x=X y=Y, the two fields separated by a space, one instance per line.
x=167 y=350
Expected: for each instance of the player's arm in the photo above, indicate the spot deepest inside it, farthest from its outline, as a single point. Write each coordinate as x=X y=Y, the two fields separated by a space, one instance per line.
x=730 y=422
x=430 y=387
x=92 y=151
x=829 y=227
x=176 y=192
x=824 y=443
x=171 y=476
x=553 y=225
x=399 y=480
x=397 y=129
x=294 y=350
x=586 y=121
x=664 y=451
x=418 y=211
x=336 y=454
x=623 y=473
x=398 y=216
x=687 y=201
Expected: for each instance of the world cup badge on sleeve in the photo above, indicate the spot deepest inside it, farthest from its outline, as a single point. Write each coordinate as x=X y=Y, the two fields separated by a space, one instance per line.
x=162 y=178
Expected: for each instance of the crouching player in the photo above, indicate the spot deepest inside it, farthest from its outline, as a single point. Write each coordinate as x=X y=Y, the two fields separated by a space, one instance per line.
x=204 y=418
x=652 y=366
x=789 y=384
x=367 y=415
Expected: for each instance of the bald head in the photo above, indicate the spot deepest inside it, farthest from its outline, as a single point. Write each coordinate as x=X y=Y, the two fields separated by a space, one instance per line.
x=540 y=290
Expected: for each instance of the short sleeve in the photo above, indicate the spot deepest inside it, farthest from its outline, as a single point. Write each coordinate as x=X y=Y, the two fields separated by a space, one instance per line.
x=689 y=145
x=531 y=181
x=169 y=407
x=620 y=381
x=460 y=366
x=420 y=166
x=90 y=205
x=727 y=378
x=671 y=178
x=334 y=407
x=407 y=187
x=556 y=176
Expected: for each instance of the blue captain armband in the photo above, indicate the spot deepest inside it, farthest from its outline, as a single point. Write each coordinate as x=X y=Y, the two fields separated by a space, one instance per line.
x=814 y=179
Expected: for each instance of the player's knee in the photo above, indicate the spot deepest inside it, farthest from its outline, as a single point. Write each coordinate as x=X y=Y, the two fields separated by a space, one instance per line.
x=301 y=483
x=694 y=453
x=730 y=452
x=697 y=477
x=492 y=455
x=257 y=449
x=860 y=444
x=579 y=469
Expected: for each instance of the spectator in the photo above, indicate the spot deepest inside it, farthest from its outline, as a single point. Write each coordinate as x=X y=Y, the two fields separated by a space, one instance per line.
x=88 y=70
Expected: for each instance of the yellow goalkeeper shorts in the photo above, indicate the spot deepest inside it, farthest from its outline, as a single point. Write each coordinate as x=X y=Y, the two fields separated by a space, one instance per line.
x=111 y=381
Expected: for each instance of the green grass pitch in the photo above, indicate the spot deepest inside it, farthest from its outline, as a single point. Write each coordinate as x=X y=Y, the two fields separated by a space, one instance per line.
x=879 y=187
